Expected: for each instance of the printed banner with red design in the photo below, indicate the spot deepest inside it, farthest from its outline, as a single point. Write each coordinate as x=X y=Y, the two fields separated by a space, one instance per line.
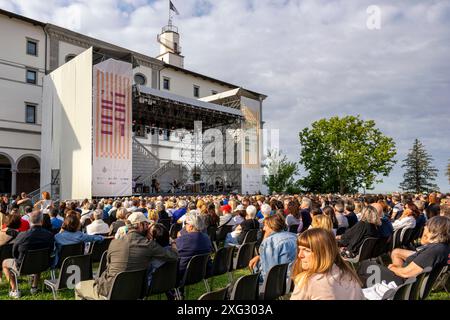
x=112 y=140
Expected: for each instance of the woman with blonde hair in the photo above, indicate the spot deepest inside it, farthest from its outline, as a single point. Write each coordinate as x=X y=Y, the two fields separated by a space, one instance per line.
x=320 y=273
x=322 y=221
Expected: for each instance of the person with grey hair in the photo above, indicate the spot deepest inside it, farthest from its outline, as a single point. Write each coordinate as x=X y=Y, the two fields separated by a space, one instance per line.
x=305 y=209
x=132 y=252
x=237 y=236
x=433 y=253
x=192 y=242
x=33 y=239
x=98 y=226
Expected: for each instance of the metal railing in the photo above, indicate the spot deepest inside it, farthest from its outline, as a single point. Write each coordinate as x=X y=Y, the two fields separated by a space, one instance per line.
x=141 y=148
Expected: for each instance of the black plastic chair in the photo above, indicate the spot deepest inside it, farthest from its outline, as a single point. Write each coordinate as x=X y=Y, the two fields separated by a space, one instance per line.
x=69 y=250
x=429 y=281
x=365 y=251
x=83 y=264
x=164 y=279
x=246 y=288
x=406 y=237
x=195 y=272
x=222 y=232
x=417 y=285
x=128 y=285
x=165 y=222
x=220 y=294
x=174 y=229
x=274 y=285
x=221 y=264
x=244 y=254
x=294 y=228
x=103 y=264
x=250 y=236
x=211 y=231
x=341 y=231
x=380 y=247
x=34 y=262
x=98 y=248
x=402 y=292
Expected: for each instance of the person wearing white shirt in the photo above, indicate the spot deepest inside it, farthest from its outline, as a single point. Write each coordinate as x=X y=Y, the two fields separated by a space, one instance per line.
x=407 y=220
x=98 y=226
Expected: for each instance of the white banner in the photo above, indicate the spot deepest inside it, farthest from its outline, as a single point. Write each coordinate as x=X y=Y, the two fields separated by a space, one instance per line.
x=112 y=121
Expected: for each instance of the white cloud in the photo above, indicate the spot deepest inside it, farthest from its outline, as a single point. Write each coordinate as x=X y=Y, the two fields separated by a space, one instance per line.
x=313 y=59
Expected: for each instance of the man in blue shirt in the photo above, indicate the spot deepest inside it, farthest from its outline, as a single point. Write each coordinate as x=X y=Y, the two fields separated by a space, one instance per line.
x=181 y=211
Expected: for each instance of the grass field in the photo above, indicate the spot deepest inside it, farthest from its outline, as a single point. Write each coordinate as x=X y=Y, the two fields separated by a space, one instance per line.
x=195 y=291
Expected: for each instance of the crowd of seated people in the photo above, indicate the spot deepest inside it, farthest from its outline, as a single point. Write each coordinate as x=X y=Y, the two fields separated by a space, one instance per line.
x=287 y=227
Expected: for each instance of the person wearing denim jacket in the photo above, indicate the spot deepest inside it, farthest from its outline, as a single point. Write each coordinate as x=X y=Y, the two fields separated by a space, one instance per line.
x=278 y=247
x=70 y=234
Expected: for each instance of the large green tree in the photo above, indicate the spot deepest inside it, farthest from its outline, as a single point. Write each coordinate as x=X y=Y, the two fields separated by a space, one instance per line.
x=280 y=173
x=420 y=174
x=344 y=154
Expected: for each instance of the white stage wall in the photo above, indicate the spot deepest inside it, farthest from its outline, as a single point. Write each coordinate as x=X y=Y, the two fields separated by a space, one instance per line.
x=112 y=141
x=251 y=146
x=66 y=141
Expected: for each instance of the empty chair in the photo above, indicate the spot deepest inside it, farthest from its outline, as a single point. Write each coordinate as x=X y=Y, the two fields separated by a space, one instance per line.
x=98 y=248
x=246 y=288
x=220 y=294
x=195 y=272
x=222 y=263
x=67 y=273
x=402 y=292
x=274 y=285
x=163 y=279
x=34 y=262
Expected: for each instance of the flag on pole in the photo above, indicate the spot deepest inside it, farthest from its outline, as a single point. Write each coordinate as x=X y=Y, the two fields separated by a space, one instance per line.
x=172 y=7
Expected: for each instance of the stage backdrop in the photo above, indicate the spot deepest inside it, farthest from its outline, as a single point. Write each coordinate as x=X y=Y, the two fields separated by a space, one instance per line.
x=112 y=121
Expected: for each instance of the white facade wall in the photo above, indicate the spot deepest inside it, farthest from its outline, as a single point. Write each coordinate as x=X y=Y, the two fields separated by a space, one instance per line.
x=66 y=49
x=19 y=139
x=183 y=84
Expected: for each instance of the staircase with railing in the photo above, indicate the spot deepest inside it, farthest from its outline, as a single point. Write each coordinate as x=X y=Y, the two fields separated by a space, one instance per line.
x=145 y=162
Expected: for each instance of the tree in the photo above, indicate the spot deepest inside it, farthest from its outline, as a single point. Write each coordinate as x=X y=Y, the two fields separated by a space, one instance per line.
x=420 y=174
x=344 y=155
x=280 y=173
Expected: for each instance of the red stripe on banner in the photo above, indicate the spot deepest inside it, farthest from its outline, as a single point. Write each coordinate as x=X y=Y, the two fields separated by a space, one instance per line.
x=104 y=101
x=107 y=117
x=120 y=109
x=120 y=104
x=120 y=95
x=107 y=132
x=107 y=122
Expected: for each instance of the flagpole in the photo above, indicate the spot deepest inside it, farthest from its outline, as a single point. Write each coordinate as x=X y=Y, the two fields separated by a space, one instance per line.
x=170 y=18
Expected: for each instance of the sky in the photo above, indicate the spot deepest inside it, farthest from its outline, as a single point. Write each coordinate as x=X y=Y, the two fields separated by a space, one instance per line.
x=313 y=59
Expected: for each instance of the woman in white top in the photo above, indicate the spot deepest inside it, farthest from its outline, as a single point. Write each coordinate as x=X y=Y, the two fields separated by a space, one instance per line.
x=408 y=218
x=45 y=203
x=320 y=273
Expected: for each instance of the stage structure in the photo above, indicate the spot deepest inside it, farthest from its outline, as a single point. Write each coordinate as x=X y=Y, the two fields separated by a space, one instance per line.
x=95 y=125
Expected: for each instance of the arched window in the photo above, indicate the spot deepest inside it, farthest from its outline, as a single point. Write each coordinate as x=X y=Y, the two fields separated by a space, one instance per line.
x=140 y=79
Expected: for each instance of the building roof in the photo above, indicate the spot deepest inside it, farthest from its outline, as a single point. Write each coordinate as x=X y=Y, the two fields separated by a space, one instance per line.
x=195 y=74
x=19 y=17
x=118 y=48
